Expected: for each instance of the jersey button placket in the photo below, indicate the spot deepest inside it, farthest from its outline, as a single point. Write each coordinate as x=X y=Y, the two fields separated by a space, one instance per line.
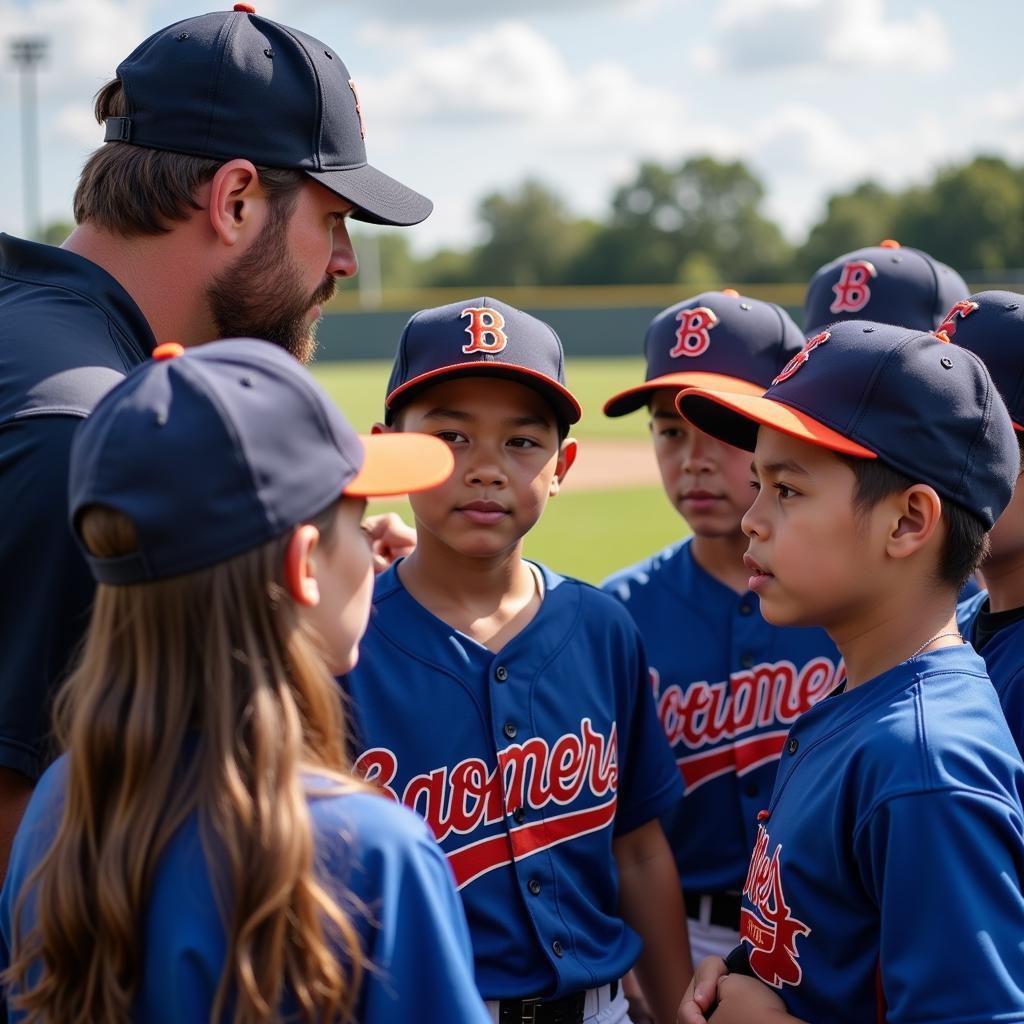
x=501 y=674
x=557 y=948
x=510 y=730
x=534 y=886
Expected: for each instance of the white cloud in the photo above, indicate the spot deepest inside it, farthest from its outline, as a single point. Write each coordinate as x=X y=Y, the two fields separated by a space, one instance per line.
x=476 y=11
x=86 y=39
x=513 y=75
x=759 y=35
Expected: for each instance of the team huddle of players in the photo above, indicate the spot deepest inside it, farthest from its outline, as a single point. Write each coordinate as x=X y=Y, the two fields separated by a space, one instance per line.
x=776 y=717
x=785 y=751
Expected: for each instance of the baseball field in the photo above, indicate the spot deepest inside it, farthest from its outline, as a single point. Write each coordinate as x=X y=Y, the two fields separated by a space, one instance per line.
x=612 y=510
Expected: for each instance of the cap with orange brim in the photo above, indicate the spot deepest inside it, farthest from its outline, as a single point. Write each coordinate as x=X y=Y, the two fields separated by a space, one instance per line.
x=400 y=464
x=910 y=399
x=215 y=450
x=718 y=340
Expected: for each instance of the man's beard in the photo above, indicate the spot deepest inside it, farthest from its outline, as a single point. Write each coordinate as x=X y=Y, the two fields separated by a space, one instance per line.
x=259 y=296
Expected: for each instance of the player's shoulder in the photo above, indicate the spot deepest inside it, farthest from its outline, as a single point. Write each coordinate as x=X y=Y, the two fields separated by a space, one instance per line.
x=922 y=741
x=664 y=570
x=595 y=605
x=365 y=819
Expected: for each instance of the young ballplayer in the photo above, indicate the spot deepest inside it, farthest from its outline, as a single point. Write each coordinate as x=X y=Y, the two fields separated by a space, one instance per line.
x=202 y=851
x=888 y=283
x=886 y=880
x=511 y=706
x=727 y=684
x=991 y=325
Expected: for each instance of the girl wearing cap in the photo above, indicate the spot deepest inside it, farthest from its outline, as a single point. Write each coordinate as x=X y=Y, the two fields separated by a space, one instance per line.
x=201 y=852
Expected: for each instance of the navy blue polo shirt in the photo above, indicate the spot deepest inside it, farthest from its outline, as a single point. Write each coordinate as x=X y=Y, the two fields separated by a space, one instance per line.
x=68 y=333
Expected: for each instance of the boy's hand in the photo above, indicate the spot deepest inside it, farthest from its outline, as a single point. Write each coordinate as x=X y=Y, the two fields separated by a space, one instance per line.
x=702 y=992
x=390 y=539
x=744 y=1000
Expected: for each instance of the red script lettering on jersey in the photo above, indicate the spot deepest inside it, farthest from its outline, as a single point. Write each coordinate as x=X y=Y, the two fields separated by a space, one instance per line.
x=706 y=714
x=772 y=931
x=534 y=774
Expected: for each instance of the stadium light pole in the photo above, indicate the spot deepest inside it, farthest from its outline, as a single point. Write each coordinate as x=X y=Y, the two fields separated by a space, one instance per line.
x=27 y=53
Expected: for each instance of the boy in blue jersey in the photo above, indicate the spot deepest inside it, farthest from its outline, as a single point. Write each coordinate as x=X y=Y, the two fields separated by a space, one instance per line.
x=991 y=325
x=509 y=705
x=886 y=880
x=727 y=684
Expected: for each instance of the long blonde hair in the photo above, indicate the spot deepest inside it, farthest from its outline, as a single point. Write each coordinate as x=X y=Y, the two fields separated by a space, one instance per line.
x=201 y=693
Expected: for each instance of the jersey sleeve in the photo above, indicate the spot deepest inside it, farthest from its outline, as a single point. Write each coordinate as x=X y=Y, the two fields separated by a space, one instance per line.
x=946 y=869
x=422 y=961
x=649 y=780
x=44 y=577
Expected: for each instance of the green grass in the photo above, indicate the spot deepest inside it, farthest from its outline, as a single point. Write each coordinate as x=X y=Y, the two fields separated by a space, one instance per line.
x=588 y=534
x=359 y=387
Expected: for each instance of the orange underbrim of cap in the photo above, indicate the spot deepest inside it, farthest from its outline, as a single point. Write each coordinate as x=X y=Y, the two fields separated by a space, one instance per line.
x=743 y=410
x=400 y=464
x=563 y=398
x=635 y=398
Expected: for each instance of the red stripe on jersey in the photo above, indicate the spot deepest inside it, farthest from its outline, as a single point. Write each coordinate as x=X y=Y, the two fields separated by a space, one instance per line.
x=470 y=862
x=740 y=757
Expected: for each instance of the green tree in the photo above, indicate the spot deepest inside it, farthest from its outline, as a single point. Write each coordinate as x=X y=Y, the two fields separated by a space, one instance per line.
x=703 y=214
x=971 y=216
x=531 y=237
x=853 y=220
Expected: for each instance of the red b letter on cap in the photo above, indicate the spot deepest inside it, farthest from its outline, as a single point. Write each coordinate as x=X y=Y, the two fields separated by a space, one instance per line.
x=692 y=337
x=852 y=290
x=485 y=330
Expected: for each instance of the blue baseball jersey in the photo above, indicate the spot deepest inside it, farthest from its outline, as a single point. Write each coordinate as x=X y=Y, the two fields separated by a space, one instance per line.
x=885 y=883
x=526 y=764
x=402 y=902
x=727 y=686
x=1003 y=652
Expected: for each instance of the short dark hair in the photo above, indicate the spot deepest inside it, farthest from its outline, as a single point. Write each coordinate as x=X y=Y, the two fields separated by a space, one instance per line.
x=133 y=190
x=966 y=542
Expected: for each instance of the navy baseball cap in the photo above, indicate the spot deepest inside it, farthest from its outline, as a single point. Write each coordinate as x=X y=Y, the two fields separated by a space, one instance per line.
x=216 y=450
x=887 y=283
x=991 y=325
x=718 y=340
x=925 y=407
x=479 y=337
x=233 y=85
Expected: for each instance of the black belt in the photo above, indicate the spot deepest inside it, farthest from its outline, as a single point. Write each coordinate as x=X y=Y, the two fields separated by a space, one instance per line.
x=725 y=907
x=567 y=1010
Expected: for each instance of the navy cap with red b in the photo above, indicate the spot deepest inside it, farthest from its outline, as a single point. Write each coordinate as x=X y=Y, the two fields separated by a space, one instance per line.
x=479 y=337
x=720 y=340
x=216 y=450
x=991 y=325
x=234 y=85
x=924 y=407
x=887 y=283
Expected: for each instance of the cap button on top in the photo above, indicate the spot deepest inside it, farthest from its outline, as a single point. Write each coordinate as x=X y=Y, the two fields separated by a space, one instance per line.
x=245 y=8
x=889 y=243
x=168 y=350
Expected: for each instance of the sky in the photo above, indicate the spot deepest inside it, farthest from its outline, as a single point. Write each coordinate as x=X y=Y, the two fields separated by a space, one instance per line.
x=465 y=97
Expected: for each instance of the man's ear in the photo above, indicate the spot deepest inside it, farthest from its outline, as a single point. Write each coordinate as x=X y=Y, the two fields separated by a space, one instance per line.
x=237 y=202
x=299 y=570
x=381 y=428
x=566 y=457
x=918 y=514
